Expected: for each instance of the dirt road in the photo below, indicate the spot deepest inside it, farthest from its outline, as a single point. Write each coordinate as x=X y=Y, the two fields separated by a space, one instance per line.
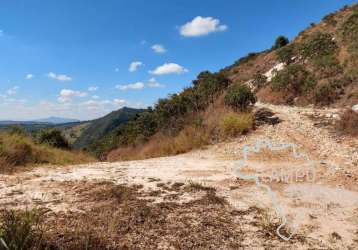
x=319 y=203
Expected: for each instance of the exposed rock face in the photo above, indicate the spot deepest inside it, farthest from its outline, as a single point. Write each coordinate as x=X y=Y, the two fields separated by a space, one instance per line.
x=271 y=73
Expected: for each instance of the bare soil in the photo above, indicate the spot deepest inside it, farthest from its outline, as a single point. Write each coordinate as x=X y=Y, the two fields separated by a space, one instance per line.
x=196 y=201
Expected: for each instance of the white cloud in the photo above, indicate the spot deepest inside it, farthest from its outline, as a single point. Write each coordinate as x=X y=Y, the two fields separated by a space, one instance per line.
x=29 y=76
x=12 y=91
x=66 y=95
x=152 y=83
x=93 y=88
x=137 y=85
x=169 y=68
x=82 y=109
x=201 y=26
x=95 y=97
x=134 y=66
x=59 y=77
x=158 y=48
x=119 y=102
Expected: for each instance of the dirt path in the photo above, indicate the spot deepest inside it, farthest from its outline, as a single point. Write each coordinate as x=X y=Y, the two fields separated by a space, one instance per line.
x=313 y=200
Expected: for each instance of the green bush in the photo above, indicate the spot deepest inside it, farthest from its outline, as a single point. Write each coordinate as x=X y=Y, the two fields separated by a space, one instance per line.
x=239 y=97
x=294 y=79
x=318 y=44
x=280 y=42
x=349 y=31
x=53 y=138
x=285 y=54
x=236 y=124
x=259 y=80
x=327 y=66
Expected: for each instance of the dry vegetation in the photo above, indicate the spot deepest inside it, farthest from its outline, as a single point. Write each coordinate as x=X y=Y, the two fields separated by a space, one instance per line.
x=21 y=150
x=216 y=124
x=122 y=217
x=348 y=124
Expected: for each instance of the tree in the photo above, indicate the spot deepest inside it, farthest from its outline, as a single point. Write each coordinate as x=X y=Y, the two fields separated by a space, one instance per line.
x=280 y=42
x=53 y=137
x=239 y=97
x=285 y=54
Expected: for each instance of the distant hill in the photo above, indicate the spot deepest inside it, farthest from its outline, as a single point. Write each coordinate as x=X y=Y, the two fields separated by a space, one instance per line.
x=8 y=122
x=49 y=120
x=56 y=120
x=99 y=128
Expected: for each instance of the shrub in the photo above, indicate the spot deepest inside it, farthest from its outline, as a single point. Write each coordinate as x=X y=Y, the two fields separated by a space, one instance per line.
x=53 y=138
x=349 y=31
x=280 y=42
x=20 y=230
x=285 y=54
x=328 y=93
x=15 y=150
x=318 y=44
x=327 y=66
x=20 y=150
x=259 y=80
x=294 y=79
x=348 y=123
x=16 y=130
x=239 y=97
x=236 y=124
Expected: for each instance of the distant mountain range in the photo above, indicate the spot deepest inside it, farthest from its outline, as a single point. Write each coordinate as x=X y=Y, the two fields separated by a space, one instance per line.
x=57 y=120
x=49 y=120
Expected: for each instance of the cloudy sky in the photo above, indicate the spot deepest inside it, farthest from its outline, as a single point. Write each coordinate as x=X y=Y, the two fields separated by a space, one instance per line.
x=84 y=58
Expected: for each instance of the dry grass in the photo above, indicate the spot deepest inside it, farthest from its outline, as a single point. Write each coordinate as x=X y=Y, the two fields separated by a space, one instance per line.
x=236 y=124
x=119 y=218
x=188 y=139
x=193 y=136
x=122 y=217
x=20 y=150
x=348 y=123
x=20 y=230
x=195 y=187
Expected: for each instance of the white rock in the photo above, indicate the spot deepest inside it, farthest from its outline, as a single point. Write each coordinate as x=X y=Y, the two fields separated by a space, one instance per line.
x=355 y=108
x=271 y=73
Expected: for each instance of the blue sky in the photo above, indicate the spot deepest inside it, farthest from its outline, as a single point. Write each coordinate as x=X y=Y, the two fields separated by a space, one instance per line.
x=72 y=58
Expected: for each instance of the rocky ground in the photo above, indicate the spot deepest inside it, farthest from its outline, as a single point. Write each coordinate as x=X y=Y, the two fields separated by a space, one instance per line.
x=197 y=200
